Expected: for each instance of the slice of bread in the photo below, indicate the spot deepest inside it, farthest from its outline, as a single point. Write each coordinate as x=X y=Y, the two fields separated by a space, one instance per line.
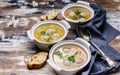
x=43 y=17
x=50 y=15
x=37 y=60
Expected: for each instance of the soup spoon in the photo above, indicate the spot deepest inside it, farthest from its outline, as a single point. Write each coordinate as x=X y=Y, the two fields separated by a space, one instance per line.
x=85 y=34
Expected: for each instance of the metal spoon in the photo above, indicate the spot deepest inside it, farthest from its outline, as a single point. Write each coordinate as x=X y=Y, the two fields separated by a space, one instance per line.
x=85 y=34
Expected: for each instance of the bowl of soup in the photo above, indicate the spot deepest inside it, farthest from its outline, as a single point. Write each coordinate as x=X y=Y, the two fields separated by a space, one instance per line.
x=78 y=12
x=46 y=33
x=69 y=56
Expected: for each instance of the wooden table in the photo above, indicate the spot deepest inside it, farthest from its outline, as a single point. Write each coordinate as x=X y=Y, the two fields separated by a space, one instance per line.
x=14 y=56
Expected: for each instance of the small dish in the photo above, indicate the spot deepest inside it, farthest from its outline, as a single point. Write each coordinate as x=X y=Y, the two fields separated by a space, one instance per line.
x=77 y=13
x=70 y=69
x=45 y=34
x=83 y=9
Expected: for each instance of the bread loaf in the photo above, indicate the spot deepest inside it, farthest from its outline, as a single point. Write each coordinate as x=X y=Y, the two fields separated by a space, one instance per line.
x=50 y=15
x=37 y=60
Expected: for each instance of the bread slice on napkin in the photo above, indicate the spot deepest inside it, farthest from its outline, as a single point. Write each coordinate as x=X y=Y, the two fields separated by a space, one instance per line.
x=37 y=60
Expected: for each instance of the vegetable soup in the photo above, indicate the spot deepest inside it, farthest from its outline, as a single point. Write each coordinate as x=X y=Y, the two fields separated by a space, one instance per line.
x=69 y=56
x=78 y=13
x=49 y=33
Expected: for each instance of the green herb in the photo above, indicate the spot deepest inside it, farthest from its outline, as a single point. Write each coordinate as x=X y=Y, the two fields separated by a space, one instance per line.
x=80 y=16
x=76 y=53
x=58 y=53
x=71 y=58
x=75 y=17
x=77 y=12
x=49 y=40
x=42 y=32
x=55 y=31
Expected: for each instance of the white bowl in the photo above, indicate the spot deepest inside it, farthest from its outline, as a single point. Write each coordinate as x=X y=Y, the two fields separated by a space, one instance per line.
x=80 y=42
x=82 y=4
x=45 y=45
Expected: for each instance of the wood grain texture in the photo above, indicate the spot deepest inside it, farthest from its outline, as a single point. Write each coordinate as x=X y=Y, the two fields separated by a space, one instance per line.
x=107 y=4
x=13 y=56
x=13 y=59
x=116 y=44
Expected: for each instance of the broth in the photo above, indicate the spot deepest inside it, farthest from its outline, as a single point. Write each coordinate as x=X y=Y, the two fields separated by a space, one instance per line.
x=78 y=13
x=69 y=56
x=49 y=33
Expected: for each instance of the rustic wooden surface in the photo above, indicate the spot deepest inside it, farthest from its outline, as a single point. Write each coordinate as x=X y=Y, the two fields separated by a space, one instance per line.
x=13 y=59
x=107 y=4
x=14 y=56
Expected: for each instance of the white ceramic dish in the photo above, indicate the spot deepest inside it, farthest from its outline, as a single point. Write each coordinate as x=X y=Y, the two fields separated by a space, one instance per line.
x=45 y=45
x=82 y=43
x=82 y=4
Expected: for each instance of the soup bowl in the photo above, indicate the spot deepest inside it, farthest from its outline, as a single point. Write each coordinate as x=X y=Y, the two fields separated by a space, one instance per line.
x=46 y=33
x=77 y=13
x=71 y=62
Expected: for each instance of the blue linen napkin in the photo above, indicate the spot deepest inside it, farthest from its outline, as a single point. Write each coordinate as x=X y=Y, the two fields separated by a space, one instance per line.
x=102 y=33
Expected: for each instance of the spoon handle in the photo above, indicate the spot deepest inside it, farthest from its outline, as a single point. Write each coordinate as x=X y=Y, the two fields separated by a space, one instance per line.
x=110 y=62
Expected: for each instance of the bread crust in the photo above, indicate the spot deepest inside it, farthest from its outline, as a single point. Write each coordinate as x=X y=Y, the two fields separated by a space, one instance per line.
x=50 y=15
x=37 y=60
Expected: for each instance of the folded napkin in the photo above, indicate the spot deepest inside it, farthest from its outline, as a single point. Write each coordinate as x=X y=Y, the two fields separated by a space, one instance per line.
x=102 y=33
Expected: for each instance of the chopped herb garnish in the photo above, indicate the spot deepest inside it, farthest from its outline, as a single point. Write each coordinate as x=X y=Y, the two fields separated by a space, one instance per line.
x=77 y=12
x=49 y=40
x=77 y=15
x=75 y=53
x=80 y=16
x=55 y=31
x=58 y=53
x=42 y=32
x=71 y=59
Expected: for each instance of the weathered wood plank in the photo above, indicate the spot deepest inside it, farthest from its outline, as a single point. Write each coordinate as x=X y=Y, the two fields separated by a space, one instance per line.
x=14 y=56
x=107 y=4
x=13 y=61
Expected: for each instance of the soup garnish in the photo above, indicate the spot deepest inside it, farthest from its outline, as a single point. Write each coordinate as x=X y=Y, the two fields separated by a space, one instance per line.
x=58 y=53
x=78 y=13
x=69 y=56
x=49 y=33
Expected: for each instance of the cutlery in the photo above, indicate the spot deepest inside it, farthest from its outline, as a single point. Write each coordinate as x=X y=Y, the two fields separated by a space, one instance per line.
x=85 y=34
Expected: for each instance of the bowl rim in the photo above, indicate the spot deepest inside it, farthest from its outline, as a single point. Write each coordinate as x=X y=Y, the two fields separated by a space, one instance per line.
x=47 y=22
x=77 y=5
x=65 y=42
